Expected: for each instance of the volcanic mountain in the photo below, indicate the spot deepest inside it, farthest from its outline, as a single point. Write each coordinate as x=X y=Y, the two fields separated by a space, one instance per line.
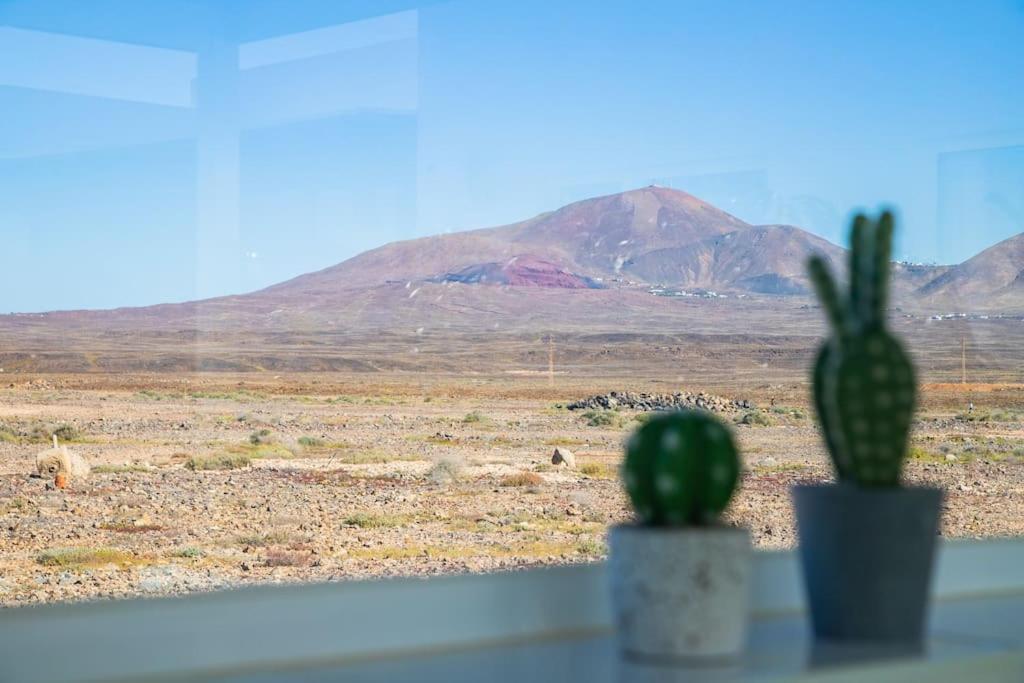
x=654 y=235
x=649 y=258
x=654 y=267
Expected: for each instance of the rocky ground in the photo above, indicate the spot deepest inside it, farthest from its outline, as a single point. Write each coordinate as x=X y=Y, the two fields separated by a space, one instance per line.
x=196 y=486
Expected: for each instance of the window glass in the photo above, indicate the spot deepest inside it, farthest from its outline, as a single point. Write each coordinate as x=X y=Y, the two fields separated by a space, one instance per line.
x=318 y=289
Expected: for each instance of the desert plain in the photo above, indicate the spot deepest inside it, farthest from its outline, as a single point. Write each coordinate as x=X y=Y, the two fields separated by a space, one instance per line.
x=211 y=480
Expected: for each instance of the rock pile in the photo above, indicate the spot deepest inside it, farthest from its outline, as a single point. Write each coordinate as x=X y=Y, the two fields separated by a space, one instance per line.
x=642 y=401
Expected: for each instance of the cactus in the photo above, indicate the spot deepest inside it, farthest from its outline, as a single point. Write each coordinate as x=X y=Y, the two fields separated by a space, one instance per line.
x=864 y=387
x=681 y=468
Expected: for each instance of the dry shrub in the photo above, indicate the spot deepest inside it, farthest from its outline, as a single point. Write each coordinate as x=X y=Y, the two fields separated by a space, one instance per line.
x=286 y=557
x=222 y=461
x=522 y=479
x=446 y=471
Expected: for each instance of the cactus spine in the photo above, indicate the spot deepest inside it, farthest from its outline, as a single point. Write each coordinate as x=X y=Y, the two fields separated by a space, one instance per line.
x=864 y=386
x=681 y=469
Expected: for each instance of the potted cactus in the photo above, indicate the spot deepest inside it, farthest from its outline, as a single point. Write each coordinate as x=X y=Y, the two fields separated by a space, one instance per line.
x=679 y=576
x=867 y=542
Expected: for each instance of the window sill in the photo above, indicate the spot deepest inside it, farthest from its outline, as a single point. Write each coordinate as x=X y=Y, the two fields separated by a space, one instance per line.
x=544 y=624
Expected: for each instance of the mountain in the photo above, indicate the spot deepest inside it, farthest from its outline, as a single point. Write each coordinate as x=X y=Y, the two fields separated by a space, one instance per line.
x=653 y=272
x=520 y=271
x=620 y=259
x=993 y=278
x=653 y=235
x=768 y=259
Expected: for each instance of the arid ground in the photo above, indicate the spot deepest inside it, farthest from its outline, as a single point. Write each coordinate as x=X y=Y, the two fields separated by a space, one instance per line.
x=214 y=480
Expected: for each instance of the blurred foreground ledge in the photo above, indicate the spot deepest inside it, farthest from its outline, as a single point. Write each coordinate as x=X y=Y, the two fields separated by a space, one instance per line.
x=551 y=624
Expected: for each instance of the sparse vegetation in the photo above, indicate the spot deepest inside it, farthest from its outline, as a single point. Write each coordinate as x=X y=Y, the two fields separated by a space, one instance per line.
x=755 y=418
x=121 y=469
x=72 y=558
x=287 y=557
x=130 y=527
x=220 y=461
x=522 y=479
x=602 y=418
x=17 y=504
x=371 y=457
x=445 y=471
x=44 y=433
x=474 y=417
x=599 y=470
x=788 y=411
x=564 y=441
x=413 y=490
x=267 y=539
x=366 y=520
x=991 y=415
x=920 y=454
x=590 y=547
x=239 y=396
x=261 y=436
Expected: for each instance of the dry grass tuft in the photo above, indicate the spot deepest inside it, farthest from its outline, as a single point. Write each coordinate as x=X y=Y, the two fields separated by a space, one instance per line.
x=130 y=527
x=71 y=558
x=599 y=470
x=283 y=557
x=522 y=479
x=446 y=471
x=366 y=520
x=221 y=461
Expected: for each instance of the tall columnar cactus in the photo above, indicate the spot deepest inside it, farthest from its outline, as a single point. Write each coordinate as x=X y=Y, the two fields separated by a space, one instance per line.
x=864 y=386
x=681 y=469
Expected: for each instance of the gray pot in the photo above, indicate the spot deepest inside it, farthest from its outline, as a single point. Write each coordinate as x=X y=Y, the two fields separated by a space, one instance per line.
x=680 y=594
x=867 y=557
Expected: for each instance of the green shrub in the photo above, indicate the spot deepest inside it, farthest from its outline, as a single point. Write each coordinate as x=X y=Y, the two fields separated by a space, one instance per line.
x=261 y=436
x=475 y=416
x=591 y=547
x=756 y=418
x=602 y=418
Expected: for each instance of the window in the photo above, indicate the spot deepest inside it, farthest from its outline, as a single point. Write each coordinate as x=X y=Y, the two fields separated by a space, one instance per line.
x=253 y=278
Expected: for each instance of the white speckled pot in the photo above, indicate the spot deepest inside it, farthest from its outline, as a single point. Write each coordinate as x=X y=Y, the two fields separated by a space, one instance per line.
x=680 y=593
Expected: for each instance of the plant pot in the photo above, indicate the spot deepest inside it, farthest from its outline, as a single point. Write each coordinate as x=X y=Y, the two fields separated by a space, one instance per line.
x=680 y=594
x=867 y=557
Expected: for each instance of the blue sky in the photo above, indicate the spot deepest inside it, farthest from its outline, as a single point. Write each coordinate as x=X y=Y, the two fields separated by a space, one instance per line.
x=150 y=155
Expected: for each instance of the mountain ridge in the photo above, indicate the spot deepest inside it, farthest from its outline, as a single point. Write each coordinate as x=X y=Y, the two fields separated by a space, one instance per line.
x=642 y=239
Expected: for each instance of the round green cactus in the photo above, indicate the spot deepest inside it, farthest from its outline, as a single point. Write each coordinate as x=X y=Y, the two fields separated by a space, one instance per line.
x=681 y=469
x=864 y=386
